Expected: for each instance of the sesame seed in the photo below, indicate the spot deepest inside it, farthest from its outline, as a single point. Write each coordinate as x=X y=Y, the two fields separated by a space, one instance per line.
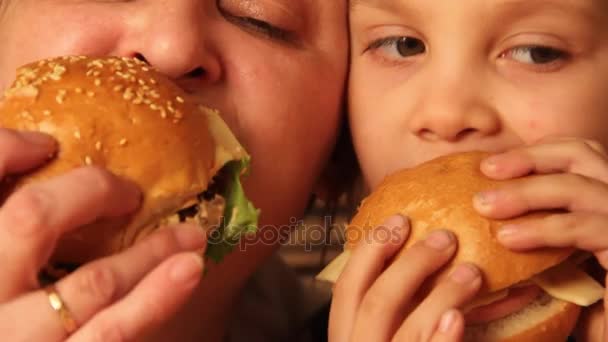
x=77 y=134
x=153 y=81
x=78 y=90
x=46 y=112
x=138 y=100
x=122 y=142
x=118 y=88
x=153 y=106
x=178 y=114
x=132 y=71
x=90 y=93
x=128 y=94
x=179 y=99
x=98 y=145
x=88 y=160
x=96 y=73
x=163 y=114
x=146 y=69
x=97 y=82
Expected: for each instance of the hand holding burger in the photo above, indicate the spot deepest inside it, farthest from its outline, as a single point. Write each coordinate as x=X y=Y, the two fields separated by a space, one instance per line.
x=110 y=169
x=443 y=285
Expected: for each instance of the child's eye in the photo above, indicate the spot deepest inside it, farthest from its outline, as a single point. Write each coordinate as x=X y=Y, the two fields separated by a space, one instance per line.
x=399 y=47
x=535 y=54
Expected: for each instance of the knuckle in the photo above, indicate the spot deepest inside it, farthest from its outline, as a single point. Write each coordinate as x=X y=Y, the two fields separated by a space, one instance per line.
x=164 y=243
x=107 y=331
x=98 y=283
x=27 y=210
x=374 y=304
x=102 y=181
x=9 y=141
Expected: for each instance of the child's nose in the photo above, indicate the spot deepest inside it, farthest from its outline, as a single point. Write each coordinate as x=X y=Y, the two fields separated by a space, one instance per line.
x=449 y=125
x=173 y=36
x=445 y=113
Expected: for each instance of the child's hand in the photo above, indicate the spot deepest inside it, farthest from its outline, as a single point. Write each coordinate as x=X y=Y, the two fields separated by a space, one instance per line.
x=375 y=303
x=570 y=174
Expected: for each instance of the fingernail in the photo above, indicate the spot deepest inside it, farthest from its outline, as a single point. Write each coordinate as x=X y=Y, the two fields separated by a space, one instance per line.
x=484 y=200
x=447 y=320
x=439 y=239
x=190 y=237
x=395 y=222
x=39 y=139
x=490 y=164
x=186 y=269
x=464 y=273
x=508 y=232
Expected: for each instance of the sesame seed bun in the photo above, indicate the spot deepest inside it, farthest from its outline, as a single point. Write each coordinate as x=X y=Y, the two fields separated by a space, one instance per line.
x=438 y=195
x=119 y=114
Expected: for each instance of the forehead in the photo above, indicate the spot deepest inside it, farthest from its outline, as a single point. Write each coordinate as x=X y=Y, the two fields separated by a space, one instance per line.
x=583 y=6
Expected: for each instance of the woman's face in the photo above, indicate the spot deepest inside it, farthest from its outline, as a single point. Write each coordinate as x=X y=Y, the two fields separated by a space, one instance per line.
x=274 y=68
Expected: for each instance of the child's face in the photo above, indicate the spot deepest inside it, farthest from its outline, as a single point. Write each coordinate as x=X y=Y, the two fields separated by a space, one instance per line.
x=434 y=77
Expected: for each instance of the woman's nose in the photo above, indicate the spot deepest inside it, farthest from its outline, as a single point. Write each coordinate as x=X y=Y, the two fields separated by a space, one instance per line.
x=173 y=36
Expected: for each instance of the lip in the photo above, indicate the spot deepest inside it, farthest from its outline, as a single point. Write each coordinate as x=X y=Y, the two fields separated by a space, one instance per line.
x=469 y=147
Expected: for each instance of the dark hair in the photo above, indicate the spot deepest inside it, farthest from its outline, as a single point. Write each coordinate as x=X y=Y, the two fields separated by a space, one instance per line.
x=340 y=183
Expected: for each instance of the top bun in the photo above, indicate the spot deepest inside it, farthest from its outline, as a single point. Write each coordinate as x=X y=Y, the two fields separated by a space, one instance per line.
x=119 y=114
x=438 y=195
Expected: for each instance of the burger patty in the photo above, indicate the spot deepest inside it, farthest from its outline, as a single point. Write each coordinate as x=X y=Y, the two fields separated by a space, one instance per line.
x=207 y=213
x=517 y=299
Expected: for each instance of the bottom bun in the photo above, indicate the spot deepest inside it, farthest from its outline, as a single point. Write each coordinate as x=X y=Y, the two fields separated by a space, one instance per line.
x=545 y=319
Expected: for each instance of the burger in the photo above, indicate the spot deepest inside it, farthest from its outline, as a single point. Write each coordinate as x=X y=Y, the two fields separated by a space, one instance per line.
x=525 y=296
x=121 y=115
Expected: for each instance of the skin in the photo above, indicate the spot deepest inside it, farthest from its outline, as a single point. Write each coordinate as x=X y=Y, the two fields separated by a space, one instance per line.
x=518 y=78
x=274 y=87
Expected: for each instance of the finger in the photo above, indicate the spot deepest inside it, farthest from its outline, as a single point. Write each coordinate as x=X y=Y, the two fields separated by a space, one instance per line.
x=450 y=328
x=459 y=288
x=152 y=302
x=95 y=286
x=558 y=191
x=383 y=307
x=583 y=157
x=366 y=263
x=582 y=230
x=33 y=218
x=23 y=151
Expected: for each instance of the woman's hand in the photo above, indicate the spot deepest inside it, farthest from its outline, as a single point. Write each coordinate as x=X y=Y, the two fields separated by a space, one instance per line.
x=375 y=303
x=568 y=174
x=113 y=299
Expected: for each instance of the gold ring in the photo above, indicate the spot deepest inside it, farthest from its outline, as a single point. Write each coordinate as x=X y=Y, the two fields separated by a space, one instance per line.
x=68 y=322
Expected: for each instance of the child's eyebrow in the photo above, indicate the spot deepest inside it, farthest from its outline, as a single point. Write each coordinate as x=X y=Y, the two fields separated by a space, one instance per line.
x=586 y=8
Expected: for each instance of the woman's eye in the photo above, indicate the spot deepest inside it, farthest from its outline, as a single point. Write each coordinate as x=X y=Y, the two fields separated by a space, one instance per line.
x=233 y=12
x=263 y=27
x=535 y=54
x=399 y=47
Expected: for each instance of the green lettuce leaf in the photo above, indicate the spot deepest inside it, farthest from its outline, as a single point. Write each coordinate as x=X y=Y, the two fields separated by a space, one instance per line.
x=240 y=216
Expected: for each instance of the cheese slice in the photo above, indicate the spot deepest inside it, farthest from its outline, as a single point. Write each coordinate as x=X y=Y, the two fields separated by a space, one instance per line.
x=227 y=147
x=568 y=283
x=332 y=271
